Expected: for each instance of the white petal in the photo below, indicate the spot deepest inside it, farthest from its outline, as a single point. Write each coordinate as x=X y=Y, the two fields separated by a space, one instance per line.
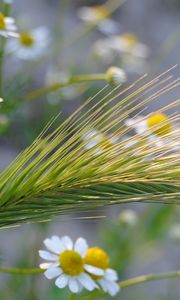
x=54 y=244
x=67 y=242
x=94 y=270
x=53 y=272
x=103 y=285
x=141 y=126
x=47 y=255
x=81 y=246
x=45 y=265
x=87 y=282
x=74 y=285
x=109 y=286
x=62 y=281
x=111 y=275
x=49 y=265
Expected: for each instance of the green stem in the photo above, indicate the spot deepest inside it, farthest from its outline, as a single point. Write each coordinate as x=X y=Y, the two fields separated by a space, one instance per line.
x=3 y=41
x=123 y=284
x=7 y=8
x=27 y=271
x=72 y=296
x=149 y=277
x=55 y=86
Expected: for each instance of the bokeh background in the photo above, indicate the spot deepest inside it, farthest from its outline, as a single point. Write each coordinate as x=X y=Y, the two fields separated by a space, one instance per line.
x=145 y=246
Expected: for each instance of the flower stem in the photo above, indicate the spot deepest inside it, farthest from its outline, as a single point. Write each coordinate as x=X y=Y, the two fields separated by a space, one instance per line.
x=28 y=271
x=2 y=47
x=54 y=87
x=7 y=8
x=123 y=284
x=72 y=296
x=149 y=277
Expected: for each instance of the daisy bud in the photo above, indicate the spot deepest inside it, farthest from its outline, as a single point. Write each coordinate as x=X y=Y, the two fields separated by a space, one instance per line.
x=115 y=76
x=174 y=233
x=128 y=217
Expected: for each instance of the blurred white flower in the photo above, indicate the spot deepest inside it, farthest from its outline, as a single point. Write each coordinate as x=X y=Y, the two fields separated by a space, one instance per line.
x=157 y=123
x=99 y=141
x=7 y=26
x=4 y=123
x=128 y=217
x=66 y=262
x=99 y=259
x=156 y=130
x=174 y=232
x=98 y=15
x=8 y=1
x=127 y=47
x=129 y=43
x=30 y=45
x=1 y=100
x=115 y=76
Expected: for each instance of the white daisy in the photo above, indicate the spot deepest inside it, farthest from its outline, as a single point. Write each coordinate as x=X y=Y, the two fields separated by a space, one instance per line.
x=30 y=45
x=127 y=47
x=93 y=138
x=156 y=123
x=66 y=262
x=98 y=15
x=155 y=130
x=98 y=258
x=7 y=26
x=129 y=43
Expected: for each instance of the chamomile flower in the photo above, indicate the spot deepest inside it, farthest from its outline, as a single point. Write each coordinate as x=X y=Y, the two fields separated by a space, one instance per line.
x=7 y=26
x=98 y=15
x=129 y=43
x=126 y=47
x=156 y=123
x=93 y=138
x=99 y=259
x=156 y=130
x=30 y=45
x=65 y=262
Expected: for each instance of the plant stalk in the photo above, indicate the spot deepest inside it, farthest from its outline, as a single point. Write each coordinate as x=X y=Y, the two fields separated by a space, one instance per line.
x=123 y=284
x=72 y=296
x=21 y=271
x=149 y=277
x=55 y=86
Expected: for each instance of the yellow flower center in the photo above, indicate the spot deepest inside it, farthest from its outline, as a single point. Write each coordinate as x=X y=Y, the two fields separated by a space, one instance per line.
x=105 y=143
x=71 y=262
x=100 y=12
x=2 y=22
x=97 y=257
x=26 y=39
x=161 y=122
x=129 y=38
